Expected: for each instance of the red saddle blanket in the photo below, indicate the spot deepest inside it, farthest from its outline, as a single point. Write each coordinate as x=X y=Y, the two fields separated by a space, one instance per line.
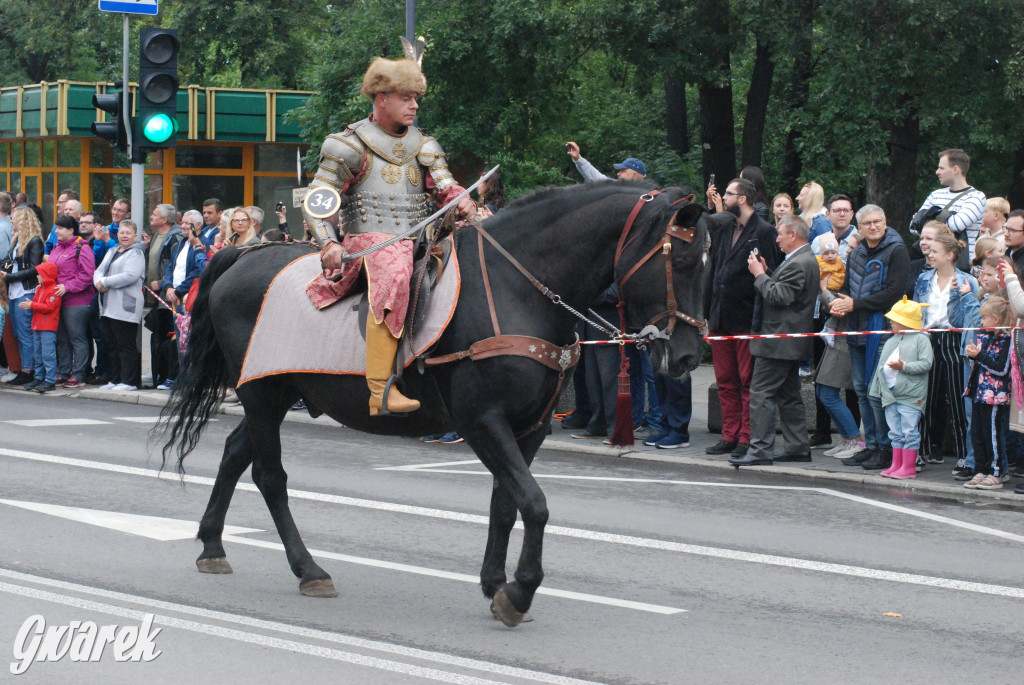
x=293 y=336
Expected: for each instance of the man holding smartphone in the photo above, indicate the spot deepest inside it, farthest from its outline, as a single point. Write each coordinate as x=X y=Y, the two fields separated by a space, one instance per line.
x=729 y=299
x=187 y=259
x=629 y=169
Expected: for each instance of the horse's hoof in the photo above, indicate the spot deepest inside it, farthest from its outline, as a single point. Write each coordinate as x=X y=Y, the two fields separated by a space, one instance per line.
x=526 y=617
x=318 y=588
x=214 y=565
x=505 y=611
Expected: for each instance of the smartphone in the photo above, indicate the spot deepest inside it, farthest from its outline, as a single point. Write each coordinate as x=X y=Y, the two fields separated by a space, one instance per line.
x=568 y=146
x=756 y=252
x=711 y=181
x=195 y=231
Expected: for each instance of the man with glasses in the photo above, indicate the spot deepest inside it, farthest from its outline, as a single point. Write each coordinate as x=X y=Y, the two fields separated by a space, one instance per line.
x=876 y=276
x=1013 y=234
x=188 y=258
x=119 y=211
x=840 y=212
x=729 y=298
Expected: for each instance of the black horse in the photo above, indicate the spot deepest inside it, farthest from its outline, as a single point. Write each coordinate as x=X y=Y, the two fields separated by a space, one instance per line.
x=569 y=240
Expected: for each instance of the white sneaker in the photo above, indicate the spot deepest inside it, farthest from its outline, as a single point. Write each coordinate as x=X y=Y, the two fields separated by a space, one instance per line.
x=849 y=448
x=8 y=377
x=124 y=387
x=109 y=386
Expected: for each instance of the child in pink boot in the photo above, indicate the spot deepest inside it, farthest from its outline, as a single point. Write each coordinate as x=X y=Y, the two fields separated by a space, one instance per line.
x=901 y=382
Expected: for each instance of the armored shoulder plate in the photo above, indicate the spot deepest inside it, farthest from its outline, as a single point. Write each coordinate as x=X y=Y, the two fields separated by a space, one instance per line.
x=341 y=157
x=432 y=157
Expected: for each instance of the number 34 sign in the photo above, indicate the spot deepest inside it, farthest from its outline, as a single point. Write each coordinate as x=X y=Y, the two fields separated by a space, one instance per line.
x=322 y=202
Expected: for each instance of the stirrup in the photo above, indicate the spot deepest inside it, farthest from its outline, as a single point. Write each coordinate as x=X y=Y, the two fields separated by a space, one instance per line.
x=383 y=411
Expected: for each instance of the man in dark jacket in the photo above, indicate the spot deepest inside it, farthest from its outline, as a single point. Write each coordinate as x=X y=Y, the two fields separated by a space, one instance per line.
x=602 y=371
x=876 y=276
x=788 y=296
x=165 y=237
x=729 y=298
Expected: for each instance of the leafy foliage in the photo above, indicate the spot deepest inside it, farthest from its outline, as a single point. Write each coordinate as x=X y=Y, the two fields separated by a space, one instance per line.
x=862 y=93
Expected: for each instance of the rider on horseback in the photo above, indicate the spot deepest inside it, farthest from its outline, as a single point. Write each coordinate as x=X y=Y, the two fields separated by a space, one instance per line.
x=386 y=170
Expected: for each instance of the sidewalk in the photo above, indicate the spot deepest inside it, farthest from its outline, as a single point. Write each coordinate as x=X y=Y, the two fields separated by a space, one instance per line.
x=935 y=480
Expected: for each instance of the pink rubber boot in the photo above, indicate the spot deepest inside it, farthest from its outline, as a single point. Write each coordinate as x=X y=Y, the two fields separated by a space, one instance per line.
x=908 y=468
x=897 y=462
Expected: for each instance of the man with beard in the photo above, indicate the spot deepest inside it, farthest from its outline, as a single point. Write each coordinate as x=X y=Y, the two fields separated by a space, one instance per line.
x=729 y=298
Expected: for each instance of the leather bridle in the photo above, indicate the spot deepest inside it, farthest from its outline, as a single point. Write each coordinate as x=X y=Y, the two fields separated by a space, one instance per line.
x=664 y=246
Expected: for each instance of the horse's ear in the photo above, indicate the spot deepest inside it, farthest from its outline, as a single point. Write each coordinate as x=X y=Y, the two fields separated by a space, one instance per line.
x=687 y=216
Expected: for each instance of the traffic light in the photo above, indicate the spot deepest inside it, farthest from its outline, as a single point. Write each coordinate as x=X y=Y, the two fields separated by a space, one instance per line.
x=157 y=120
x=113 y=130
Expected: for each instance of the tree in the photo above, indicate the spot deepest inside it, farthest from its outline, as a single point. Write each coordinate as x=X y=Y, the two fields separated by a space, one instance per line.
x=66 y=39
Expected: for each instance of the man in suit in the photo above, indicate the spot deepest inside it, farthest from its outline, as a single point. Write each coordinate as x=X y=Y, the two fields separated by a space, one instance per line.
x=729 y=303
x=788 y=295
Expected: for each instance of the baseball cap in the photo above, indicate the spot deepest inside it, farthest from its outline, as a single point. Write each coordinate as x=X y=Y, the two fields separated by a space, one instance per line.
x=634 y=164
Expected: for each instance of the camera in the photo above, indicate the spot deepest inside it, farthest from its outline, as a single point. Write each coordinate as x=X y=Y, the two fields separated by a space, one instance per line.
x=280 y=206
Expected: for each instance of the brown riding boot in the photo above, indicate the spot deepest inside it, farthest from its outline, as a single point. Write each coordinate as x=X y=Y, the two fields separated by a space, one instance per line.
x=381 y=348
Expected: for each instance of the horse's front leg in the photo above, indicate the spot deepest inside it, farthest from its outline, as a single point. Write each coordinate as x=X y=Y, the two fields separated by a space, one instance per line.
x=502 y=520
x=492 y=440
x=272 y=481
x=237 y=457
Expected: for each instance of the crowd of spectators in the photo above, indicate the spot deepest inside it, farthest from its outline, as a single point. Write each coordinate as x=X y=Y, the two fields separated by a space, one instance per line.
x=73 y=304
x=913 y=400
x=82 y=324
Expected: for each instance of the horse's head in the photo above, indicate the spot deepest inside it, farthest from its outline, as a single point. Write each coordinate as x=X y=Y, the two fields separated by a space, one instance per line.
x=661 y=276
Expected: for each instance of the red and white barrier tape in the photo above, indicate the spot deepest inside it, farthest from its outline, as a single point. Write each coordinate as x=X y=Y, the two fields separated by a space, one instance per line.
x=813 y=335
x=162 y=302
x=717 y=338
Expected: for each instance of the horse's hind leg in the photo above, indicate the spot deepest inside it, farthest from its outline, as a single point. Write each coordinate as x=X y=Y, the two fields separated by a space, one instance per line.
x=272 y=481
x=502 y=520
x=237 y=457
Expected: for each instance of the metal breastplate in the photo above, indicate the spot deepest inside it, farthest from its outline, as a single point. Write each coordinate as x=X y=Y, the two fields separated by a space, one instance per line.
x=390 y=195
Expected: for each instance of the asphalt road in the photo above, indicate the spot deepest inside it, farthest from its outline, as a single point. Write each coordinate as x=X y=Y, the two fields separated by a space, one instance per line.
x=655 y=572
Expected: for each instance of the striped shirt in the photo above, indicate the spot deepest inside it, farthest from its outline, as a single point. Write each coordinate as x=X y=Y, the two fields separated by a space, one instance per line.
x=966 y=212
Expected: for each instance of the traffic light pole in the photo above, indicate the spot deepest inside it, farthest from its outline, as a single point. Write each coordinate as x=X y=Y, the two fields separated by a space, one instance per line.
x=138 y=161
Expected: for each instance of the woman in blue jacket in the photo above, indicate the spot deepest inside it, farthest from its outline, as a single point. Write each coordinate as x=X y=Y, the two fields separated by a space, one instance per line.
x=941 y=287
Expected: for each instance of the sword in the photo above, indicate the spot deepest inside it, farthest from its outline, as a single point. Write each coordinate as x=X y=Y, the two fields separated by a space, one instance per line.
x=418 y=227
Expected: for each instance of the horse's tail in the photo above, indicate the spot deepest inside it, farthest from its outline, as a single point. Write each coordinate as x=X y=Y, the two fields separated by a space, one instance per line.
x=203 y=374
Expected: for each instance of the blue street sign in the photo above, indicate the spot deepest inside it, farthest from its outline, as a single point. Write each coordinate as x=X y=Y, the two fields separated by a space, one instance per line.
x=129 y=6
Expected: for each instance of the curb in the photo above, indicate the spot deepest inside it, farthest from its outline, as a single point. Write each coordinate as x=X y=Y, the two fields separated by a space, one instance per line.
x=1006 y=496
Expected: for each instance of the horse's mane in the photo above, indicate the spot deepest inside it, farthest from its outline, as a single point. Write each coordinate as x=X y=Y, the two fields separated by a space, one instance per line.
x=596 y=187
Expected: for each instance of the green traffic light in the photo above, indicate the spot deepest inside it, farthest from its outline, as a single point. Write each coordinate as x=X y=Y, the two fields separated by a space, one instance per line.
x=159 y=128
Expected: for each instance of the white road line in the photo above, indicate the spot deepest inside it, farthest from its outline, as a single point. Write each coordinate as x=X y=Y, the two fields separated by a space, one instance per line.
x=44 y=423
x=426 y=468
x=448 y=575
x=162 y=621
x=596 y=536
x=138 y=419
x=448 y=660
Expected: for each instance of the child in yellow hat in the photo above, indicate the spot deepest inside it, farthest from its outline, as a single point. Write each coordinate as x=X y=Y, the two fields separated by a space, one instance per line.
x=901 y=382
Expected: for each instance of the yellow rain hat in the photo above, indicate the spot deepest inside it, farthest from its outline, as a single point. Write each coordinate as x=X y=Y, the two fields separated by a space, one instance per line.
x=907 y=312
